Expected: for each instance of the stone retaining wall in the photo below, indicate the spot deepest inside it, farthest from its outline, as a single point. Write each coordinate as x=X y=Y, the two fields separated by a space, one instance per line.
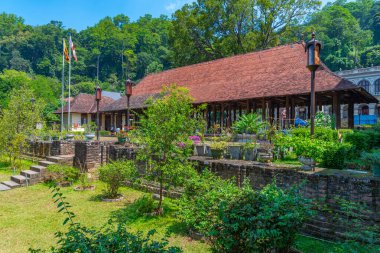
x=324 y=187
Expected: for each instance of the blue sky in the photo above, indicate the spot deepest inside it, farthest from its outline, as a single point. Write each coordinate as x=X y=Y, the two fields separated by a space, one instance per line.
x=80 y=14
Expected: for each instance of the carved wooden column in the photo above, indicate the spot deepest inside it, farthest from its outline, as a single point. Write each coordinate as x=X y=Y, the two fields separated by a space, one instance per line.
x=336 y=109
x=350 y=115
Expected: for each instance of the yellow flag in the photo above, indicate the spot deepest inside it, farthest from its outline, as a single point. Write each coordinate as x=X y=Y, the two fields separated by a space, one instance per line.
x=65 y=51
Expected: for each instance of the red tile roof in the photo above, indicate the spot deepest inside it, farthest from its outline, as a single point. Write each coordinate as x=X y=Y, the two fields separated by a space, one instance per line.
x=277 y=71
x=85 y=103
x=135 y=102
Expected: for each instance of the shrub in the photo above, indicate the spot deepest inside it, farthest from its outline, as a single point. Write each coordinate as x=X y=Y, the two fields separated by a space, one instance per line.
x=260 y=221
x=335 y=155
x=62 y=173
x=320 y=133
x=144 y=204
x=104 y=133
x=79 y=238
x=115 y=174
x=202 y=197
x=359 y=140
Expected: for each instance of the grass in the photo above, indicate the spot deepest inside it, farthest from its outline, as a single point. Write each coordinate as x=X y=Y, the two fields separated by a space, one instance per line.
x=29 y=218
x=6 y=170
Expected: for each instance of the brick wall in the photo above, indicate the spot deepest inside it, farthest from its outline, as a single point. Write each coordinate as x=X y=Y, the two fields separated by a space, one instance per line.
x=63 y=148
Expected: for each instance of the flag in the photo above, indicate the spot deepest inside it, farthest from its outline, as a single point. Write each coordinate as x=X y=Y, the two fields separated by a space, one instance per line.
x=65 y=51
x=73 y=49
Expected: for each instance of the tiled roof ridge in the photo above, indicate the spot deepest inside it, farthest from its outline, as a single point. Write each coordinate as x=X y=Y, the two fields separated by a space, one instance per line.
x=228 y=57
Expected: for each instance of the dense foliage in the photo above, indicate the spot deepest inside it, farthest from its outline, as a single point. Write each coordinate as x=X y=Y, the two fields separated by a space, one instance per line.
x=18 y=122
x=115 y=174
x=261 y=221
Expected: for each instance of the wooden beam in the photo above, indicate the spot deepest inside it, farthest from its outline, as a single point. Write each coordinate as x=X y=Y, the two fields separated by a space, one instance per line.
x=292 y=110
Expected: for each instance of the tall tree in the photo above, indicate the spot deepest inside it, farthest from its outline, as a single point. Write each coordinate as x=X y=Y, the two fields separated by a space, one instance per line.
x=210 y=29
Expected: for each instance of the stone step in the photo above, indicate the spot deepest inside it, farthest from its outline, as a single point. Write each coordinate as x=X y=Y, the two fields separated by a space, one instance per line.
x=22 y=180
x=19 y=179
x=55 y=159
x=4 y=187
x=11 y=184
x=46 y=163
x=30 y=174
x=38 y=168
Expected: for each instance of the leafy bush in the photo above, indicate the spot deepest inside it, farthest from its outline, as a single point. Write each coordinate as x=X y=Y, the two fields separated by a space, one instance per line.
x=322 y=119
x=79 y=238
x=115 y=174
x=144 y=204
x=107 y=239
x=249 y=123
x=320 y=133
x=335 y=155
x=62 y=173
x=104 y=133
x=260 y=221
x=203 y=195
x=360 y=141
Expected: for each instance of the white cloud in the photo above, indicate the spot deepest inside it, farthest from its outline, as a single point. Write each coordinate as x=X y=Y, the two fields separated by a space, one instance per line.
x=175 y=5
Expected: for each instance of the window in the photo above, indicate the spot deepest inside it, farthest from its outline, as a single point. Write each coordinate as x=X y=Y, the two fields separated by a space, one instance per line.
x=364 y=110
x=377 y=87
x=364 y=84
x=83 y=119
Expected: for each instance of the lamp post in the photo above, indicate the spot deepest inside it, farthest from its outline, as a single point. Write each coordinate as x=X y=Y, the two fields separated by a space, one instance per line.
x=313 y=48
x=98 y=97
x=128 y=93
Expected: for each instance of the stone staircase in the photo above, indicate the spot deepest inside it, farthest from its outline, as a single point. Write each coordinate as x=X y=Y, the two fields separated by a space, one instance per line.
x=36 y=172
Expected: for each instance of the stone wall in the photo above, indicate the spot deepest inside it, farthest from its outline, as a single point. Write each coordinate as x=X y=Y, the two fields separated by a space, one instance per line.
x=89 y=155
x=119 y=152
x=63 y=148
x=39 y=148
x=324 y=187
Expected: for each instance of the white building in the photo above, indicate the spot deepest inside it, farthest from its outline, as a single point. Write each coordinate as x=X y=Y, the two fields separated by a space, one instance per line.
x=369 y=79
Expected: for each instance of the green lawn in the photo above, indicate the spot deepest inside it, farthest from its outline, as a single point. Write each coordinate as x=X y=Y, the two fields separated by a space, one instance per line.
x=29 y=218
x=6 y=170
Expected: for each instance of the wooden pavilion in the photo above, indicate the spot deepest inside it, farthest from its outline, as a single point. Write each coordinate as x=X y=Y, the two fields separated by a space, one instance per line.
x=266 y=82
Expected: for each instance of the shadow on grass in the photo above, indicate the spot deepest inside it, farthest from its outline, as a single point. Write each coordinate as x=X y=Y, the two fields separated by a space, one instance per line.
x=97 y=197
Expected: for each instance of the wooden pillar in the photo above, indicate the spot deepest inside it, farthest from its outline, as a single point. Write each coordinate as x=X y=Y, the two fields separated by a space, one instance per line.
x=208 y=117
x=287 y=108
x=229 y=115
x=263 y=114
x=278 y=117
x=292 y=111
x=235 y=116
x=248 y=107
x=350 y=115
x=336 y=109
x=271 y=111
x=214 y=114
x=221 y=116
x=240 y=111
x=253 y=106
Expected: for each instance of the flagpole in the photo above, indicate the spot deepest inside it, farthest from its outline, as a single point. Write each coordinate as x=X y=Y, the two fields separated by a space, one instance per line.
x=63 y=82
x=69 y=121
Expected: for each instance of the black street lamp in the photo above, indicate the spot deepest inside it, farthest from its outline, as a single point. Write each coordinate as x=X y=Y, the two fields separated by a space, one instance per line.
x=313 y=49
x=98 y=97
x=128 y=93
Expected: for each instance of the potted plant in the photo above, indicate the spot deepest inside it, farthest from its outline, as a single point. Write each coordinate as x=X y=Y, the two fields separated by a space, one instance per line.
x=89 y=130
x=235 y=151
x=250 y=151
x=199 y=145
x=122 y=137
x=218 y=149
x=248 y=125
x=373 y=160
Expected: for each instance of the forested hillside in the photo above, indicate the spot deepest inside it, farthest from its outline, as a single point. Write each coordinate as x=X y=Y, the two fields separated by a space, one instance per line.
x=202 y=31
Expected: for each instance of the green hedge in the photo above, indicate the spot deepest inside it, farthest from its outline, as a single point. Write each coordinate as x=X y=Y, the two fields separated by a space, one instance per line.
x=320 y=133
x=335 y=155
